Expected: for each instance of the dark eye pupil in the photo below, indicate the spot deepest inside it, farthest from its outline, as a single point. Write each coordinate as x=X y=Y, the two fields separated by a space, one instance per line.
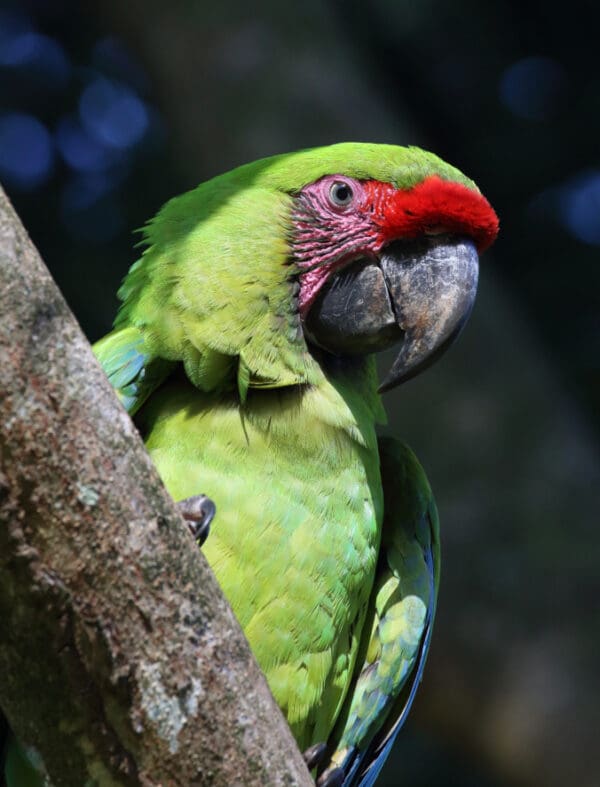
x=341 y=194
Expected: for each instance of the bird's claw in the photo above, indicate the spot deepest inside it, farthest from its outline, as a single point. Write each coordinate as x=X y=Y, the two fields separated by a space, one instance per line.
x=313 y=756
x=332 y=777
x=198 y=511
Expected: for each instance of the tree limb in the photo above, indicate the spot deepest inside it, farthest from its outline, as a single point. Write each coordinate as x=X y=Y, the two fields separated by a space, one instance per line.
x=121 y=662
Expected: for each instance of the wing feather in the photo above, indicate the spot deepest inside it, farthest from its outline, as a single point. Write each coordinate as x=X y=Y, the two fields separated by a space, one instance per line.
x=397 y=632
x=133 y=371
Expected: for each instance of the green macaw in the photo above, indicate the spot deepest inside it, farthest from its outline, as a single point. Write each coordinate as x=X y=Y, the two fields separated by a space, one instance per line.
x=244 y=348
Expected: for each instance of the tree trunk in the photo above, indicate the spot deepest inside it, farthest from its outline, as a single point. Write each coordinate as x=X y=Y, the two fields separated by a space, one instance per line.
x=121 y=661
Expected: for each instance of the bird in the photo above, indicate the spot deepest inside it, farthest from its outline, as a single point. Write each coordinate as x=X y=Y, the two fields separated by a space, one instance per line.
x=245 y=350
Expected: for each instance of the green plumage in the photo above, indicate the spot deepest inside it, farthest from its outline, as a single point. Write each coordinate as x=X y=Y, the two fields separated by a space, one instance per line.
x=209 y=351
x=294 y=470
x=286 y=472
x=282 y=437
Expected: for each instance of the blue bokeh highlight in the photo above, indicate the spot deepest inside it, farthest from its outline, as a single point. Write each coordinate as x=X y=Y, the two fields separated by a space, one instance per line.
x=26 y=151
x=82 y=151
x=534 y=87
x=113 y=113
x=580 y=207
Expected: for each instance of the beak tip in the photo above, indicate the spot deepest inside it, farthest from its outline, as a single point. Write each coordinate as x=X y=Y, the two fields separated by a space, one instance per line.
x=386 y=385
x=393 y=379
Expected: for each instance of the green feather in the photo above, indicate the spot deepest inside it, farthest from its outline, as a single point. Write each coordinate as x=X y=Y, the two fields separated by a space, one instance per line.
x=295 y=477
x=282 y=437
x=19 y=769
x=401 y=610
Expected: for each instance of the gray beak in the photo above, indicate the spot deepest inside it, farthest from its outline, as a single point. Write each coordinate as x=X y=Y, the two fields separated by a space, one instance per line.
x=419 y=292
x=433 y=288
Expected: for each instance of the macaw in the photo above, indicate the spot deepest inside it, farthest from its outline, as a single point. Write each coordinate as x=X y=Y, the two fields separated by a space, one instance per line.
x=244 y=348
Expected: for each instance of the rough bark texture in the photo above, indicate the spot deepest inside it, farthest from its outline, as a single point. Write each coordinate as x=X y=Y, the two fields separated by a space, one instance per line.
x=121 y=662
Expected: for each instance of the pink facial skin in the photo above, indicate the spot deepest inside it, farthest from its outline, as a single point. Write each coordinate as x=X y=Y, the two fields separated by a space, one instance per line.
x=329 y=235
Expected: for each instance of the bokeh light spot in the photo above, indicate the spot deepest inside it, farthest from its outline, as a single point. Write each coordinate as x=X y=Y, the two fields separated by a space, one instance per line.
x=80 y=150
x=113 y=113
x=533 y=88
x=26 y=151
x=39 y=52
x=580 y=207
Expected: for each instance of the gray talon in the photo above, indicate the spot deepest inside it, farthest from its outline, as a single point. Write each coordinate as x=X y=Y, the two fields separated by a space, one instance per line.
x=333 y=777
x=198 y=511
x=314 y=755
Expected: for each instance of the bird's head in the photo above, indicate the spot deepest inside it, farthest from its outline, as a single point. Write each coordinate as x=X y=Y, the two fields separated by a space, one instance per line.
x=351 y=248
x=381 y=265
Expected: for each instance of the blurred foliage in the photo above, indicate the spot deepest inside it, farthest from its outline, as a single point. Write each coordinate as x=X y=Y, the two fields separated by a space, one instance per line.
x=107 y=109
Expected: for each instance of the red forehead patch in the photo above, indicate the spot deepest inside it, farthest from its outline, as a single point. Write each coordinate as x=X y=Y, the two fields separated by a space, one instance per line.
x=433 y=206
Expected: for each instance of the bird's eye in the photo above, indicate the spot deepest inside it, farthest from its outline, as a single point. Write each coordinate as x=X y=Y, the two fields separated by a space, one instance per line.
x=340 y=194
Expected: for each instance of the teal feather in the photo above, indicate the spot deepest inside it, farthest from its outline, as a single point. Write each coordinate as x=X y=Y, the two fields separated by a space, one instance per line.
x=132 y=369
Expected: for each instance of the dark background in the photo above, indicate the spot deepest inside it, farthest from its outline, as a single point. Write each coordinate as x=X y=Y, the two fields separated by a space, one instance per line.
x=109 y=108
